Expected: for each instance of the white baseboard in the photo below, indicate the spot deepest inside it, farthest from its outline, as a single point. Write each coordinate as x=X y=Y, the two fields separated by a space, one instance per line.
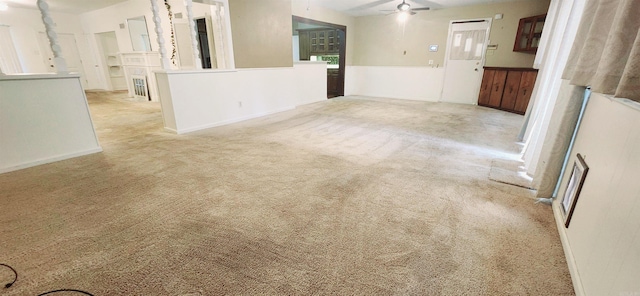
x=229 y=121
x=49 y=160
x=568 y=254
x=168 y=129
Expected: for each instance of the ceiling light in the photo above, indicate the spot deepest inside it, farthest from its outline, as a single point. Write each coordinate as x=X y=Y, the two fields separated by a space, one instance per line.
x=3 y=6
x=403 y=6
x=403 y=16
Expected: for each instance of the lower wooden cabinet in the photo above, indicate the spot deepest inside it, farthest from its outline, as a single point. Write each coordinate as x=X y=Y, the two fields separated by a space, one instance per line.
x=333 y=83
x=507 y=89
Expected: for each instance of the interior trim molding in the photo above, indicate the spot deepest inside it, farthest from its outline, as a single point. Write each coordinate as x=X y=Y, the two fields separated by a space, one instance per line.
x=568 y=253
x=49 y=160
x=180 y=131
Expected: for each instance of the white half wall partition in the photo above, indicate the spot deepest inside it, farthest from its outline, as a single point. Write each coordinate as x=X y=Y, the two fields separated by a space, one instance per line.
x=412 y=83
x=43 y=118
x=200 y=99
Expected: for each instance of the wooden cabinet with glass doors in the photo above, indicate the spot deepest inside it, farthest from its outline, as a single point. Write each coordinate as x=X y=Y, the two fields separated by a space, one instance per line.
x=529 y=33
x=320 y=41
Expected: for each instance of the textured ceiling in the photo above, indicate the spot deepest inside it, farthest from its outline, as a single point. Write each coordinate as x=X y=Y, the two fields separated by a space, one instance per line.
x=351 y=7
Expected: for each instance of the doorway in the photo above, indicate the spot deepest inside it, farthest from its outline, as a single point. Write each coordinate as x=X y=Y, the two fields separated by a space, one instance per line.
x=109 y=55
x=203 y=43
x=465 y=57
x=319 y=41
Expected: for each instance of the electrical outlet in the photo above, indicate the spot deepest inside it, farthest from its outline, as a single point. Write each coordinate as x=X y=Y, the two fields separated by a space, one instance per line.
x=431 y=62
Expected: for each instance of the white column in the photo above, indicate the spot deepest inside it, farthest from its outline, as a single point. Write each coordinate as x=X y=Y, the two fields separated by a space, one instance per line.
x=194 y=35
x=166 y=64
x=58 y=60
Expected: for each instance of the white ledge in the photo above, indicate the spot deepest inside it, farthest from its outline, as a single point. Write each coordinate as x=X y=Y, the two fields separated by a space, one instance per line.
x=195 y=71
x=309 y=62
x=213 y=71
x=29 y=76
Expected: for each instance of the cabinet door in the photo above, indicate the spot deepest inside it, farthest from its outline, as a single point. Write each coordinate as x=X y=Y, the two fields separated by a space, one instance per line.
x=527 y=83
x=511 y=90
x=523 y=37
x=485 y=87
x=322 y=41
x=332 y=39
x=529 y=33
x=497 y=87
x=304 y=46
x=333 y=83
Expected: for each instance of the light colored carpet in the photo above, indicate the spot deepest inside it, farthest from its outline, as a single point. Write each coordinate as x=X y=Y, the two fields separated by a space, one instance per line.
x=510 y=172
x=349 y=196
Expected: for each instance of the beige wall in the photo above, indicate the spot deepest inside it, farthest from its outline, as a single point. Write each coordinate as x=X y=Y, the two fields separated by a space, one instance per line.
x=603 y=237
x=261 y=33
x=382 y=41
x=310 y=10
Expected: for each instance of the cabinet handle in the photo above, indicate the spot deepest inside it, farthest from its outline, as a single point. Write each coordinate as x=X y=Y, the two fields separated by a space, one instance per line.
x=496 y=88
x=525 y=91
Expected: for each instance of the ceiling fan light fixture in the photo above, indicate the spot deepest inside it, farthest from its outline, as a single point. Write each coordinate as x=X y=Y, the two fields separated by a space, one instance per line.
x=403 y=6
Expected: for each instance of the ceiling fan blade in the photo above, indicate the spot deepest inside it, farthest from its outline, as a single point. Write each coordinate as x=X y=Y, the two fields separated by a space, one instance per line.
x=390 y=12
x=421 y=8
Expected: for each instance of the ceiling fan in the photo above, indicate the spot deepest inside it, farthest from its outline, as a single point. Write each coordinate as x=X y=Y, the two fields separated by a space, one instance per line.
x=406 y=7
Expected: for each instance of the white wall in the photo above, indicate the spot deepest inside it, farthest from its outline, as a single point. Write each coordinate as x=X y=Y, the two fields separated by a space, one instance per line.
x=44 y=118
x=602 y=242
x=108 y=19
x=195 y=100
x=413 y=83
x=25 y=26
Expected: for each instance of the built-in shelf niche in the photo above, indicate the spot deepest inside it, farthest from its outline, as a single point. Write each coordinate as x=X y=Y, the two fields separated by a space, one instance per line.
x=114 y=65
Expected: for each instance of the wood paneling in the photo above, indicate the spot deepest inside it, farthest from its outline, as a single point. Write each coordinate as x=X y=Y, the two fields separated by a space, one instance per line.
x=511 y=90
x=333 y=83
x=497 y=87
x=507 y=89
x=485 y=87
x=305 y=50
x=524 y=92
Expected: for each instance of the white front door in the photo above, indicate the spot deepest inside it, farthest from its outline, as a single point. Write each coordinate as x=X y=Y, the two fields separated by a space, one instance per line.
x=465 y=55
x=70 y=53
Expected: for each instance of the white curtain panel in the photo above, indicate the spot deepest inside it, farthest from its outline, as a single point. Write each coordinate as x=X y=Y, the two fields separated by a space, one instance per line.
x=606 y=53
x=9 y=62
